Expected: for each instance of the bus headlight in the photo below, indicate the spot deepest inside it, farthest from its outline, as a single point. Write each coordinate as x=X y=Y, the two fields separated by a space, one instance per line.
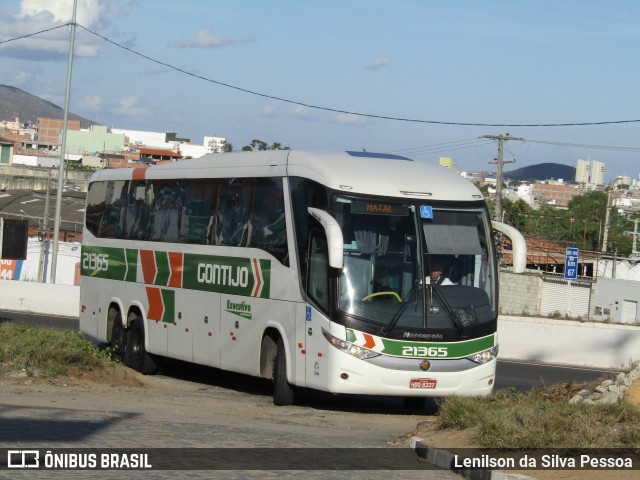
x=348 y=347
x=485 y=356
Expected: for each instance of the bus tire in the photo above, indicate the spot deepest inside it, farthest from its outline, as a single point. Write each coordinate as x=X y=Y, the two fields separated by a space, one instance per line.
x=282 y=390
x=118 y=339
x=136 y=356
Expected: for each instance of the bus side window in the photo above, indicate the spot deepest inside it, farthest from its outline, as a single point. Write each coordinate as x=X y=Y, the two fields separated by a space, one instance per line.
x=268 y=226
x=232 y=214
x=96 y=206
x=167 y=209
x=139 y=210
x=113 y=219
x=199 y=210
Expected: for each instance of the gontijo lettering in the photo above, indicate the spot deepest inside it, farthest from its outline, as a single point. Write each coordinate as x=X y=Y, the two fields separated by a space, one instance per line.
x=223 y=275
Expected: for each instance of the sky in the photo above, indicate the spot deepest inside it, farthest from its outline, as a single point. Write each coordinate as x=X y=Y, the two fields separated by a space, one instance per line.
x=421 y=78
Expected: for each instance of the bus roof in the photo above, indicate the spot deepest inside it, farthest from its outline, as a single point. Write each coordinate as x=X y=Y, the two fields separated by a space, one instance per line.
x=350 y=172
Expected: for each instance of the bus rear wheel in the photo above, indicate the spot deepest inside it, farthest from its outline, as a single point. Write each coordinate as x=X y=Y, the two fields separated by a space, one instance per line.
x=118 y=339
x=282 y=390
x=136 y=356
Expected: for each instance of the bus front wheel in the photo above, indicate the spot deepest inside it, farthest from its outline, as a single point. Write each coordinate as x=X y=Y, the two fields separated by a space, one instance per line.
x=136 y=356
x=282 y=390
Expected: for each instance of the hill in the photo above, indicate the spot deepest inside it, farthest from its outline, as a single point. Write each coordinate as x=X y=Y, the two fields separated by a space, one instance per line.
x=543 y=171
x=18 y=103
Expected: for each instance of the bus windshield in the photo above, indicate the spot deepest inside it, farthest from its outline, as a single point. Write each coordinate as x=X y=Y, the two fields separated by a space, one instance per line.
x=416 y=266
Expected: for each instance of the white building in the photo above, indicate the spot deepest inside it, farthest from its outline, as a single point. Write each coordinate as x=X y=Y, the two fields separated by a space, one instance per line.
x=159 y=140
x=590 y=172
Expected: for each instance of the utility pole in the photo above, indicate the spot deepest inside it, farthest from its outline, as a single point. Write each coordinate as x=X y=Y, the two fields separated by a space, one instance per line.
x=634 y=251
x=607 y=224
x=500 y=162
x=65 y=124
x=44 y=246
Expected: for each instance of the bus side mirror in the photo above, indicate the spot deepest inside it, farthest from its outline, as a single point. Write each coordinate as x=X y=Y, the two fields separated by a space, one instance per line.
x=334 y=236
x=517 y=242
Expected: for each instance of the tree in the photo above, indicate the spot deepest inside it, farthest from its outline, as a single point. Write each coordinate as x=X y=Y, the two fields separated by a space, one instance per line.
x=516 y=213
x=261 y=145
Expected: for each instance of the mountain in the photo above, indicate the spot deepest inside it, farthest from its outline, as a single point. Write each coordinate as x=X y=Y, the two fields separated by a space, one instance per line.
x=18 y=103
x=543 y=171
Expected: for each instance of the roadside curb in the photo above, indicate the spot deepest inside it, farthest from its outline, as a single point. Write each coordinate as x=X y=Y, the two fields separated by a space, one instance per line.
x=445 y=459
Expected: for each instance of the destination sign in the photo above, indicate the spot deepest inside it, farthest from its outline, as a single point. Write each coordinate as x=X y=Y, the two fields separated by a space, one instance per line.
x=379 y=208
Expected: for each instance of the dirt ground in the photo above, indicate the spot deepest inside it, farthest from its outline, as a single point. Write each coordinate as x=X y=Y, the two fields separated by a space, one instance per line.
x=126 y=379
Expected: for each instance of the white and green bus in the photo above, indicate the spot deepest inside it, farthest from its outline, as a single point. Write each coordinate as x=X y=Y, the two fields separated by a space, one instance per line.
x=308 y=269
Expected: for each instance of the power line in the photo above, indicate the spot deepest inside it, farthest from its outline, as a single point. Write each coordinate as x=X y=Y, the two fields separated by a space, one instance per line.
x=328 y=109
x=33 y=34
x=426 y=150
x=581 y=145
x=473 y=142
x=335 y=110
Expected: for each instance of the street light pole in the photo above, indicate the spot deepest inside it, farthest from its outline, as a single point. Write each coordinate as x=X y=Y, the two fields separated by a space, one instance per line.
x=65 y=123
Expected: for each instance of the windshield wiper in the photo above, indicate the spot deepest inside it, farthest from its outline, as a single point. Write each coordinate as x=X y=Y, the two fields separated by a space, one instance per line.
x=451 y=313
x=387 y=329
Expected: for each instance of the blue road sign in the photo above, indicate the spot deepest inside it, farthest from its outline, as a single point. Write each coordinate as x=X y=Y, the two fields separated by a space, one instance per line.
x=571 y=263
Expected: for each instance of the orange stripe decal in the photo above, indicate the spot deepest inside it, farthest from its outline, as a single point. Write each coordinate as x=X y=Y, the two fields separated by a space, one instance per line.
x=139 y=173
x=369 y=341
x=156 y=308
x=175 y=261
x=256 y=270
x=148 y=261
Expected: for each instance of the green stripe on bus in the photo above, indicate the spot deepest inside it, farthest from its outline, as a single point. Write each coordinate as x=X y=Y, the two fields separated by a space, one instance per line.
x=211 y=273
x=132 y=265
x=169 y=301
x=399 y=348
x=163 y=269
x=265 y=267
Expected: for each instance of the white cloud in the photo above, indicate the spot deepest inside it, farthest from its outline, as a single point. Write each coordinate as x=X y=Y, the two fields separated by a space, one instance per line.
x=203 y=39
x=91 y=103
x=129 y=107
x=90 y=13
x=379 y=63
x=38 y=15
x=350 y=119
x=313 y=115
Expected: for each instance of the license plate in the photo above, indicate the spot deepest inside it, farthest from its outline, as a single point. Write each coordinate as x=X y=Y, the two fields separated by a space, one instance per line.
x=422 y=383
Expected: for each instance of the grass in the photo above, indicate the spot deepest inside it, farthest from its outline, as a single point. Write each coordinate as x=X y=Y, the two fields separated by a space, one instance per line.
x=542 y=418
x=48 y=352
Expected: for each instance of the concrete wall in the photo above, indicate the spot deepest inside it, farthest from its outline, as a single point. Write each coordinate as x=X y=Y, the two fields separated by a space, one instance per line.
x=62 y=300
x=521 y=338
x=26 y=177
x=567 y=342
x=520 y=293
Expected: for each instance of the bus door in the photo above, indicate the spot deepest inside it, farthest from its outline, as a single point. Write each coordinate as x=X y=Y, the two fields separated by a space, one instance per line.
x=206 y=329
x=237 y=334
x=317 y=289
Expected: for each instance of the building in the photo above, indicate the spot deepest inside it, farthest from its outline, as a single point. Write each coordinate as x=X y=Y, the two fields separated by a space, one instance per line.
x=49 y=130
x=96 y=140
x=169 y=141
x=447 y=162
x=555 y=194
x=590 y=172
